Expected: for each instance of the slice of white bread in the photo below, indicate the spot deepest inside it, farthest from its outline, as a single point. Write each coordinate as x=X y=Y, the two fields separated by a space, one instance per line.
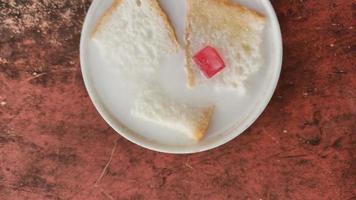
x=234 y=31
x=155 y=106
x=136 y=34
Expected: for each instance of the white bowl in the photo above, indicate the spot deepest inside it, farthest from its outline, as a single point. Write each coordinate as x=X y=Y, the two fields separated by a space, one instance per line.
x=234 y=114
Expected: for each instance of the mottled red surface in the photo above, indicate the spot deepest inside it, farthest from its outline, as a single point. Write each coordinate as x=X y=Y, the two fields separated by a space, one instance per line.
x=54 y=145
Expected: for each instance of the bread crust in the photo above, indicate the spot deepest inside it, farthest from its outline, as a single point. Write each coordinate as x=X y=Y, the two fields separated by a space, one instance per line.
x=241 y=8
x=191 y=79
x=155 y=4
x=105 y=17
x=188 y=67
x=204 y=123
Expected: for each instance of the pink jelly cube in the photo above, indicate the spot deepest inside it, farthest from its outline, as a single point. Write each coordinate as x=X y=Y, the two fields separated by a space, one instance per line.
x=209 y=61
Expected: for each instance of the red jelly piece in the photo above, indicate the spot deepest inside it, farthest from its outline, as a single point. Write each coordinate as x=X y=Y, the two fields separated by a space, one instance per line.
x=209 y=61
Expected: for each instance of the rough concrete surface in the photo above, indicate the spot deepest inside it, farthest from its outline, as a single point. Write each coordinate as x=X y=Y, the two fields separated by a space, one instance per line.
x=54 y=144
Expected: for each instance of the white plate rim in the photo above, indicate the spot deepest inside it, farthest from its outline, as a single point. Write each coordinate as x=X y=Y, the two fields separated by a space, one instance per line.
x=129 y=135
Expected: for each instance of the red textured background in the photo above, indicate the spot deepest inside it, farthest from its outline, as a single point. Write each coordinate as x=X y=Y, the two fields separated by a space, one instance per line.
x=54 y=145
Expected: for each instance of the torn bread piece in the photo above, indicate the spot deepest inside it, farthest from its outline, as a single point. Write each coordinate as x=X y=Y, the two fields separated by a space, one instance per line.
x=234 y=31
x=136 y=34
x=154 y=106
